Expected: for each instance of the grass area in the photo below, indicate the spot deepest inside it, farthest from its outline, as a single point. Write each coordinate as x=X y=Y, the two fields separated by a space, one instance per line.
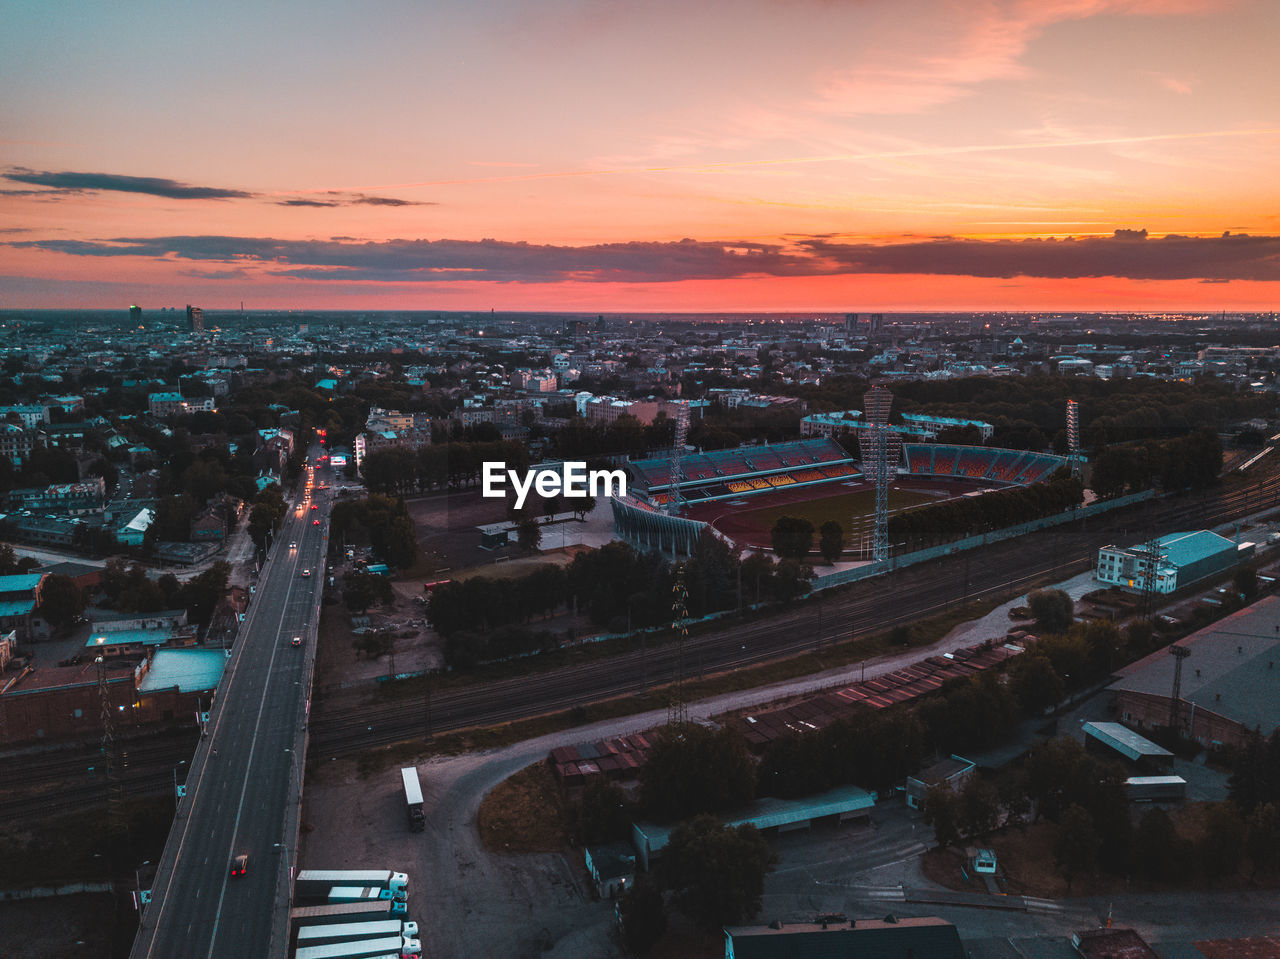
x=523 y=814
x=840 y=508
x=511 y=569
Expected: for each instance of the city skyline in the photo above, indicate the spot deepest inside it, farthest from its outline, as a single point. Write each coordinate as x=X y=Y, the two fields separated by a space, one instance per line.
x=1071 y=154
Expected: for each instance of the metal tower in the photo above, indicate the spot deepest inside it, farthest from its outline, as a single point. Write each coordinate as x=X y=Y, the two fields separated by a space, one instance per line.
x=1155 y=556
x=677 y=708
x=676 y=500
x=877 y=463
x=1179 y=653
x=1073 y=437
x=115 y=784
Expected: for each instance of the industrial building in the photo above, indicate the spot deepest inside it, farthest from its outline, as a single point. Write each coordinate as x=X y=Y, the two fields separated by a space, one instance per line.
x=1229 y=687
x=1116 y=740
x=1179 y=559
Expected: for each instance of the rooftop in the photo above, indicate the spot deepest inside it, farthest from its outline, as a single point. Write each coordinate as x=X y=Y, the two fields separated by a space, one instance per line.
x=1125 y=740
x=190 y=670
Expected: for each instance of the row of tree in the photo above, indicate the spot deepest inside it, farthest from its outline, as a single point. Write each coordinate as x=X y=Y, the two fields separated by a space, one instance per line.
x=1193 y=461
x=616 y=586
x=967 y=516
x=792 y=537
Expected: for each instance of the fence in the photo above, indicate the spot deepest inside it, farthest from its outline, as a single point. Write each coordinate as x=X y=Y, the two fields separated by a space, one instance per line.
x=970 y=542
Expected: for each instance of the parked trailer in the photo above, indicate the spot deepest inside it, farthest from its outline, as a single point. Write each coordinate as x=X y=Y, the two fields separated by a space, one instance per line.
x=413 y=798
x=391 y=946
x=372 y=911
x=1155 y=788
x=342 y=931
x=334 y=894
x=380 y=878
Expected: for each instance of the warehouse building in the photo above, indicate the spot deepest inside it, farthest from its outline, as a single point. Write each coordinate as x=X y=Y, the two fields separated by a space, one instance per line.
x=1180 y=559
x=1230 y=684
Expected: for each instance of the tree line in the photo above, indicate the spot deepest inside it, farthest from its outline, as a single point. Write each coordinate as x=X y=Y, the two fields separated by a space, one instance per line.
x=617 y=587
x=384 y=521
x=966 y=516
x=1193 y=461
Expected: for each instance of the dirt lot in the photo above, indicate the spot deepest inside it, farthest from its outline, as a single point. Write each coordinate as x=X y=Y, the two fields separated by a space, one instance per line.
x=447 y=528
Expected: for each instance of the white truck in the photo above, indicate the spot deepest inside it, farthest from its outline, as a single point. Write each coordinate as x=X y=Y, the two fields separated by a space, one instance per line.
x=344 y=931
x=386 y=946
x=333 y=894
x=413 y=798
x=378 y=878
x=375 y=910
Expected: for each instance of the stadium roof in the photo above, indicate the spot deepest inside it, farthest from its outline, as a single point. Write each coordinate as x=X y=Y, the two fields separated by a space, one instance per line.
x=741 y=461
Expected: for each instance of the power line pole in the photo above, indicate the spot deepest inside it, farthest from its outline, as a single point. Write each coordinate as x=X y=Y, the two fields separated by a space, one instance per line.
x=110 y=752
x=1179 y=653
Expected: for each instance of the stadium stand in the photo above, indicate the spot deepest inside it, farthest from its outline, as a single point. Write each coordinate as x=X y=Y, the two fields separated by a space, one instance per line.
x=976 y=462
x=747 y=469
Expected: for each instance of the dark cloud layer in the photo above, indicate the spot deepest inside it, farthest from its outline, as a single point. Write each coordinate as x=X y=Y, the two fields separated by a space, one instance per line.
x=1128 y=253
x=150 y=185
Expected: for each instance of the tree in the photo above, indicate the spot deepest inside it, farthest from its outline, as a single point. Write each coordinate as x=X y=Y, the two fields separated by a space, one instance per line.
x=1075 y=849
x=1052 y=608
x=1156 y=845
x=1036 y=684
x=942 y=812
x=644 y=919
x=61 y=601
x=361 y=590
x=529 y=534
x=830 y=541
x=792 y=537
x=1222 y=846
x=979 y=807
x=1263 y=837
x=601 y=814
x=692 y=770
x=714 y=872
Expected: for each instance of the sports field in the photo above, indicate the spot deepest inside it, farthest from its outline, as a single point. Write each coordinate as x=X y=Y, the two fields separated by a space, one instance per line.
x=750 y=520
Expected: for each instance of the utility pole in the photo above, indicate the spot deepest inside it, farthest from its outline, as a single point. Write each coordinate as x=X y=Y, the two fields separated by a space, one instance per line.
x=1179 y=653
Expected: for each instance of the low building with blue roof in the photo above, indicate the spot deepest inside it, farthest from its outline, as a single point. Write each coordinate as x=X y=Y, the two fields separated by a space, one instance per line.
x=1178 y=560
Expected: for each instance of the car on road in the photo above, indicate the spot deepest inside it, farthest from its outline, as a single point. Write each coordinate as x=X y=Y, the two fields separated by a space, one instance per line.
x=296 y=641
x=314 y=506
x=240 y=864
x=315 y=522
x=306 y=573
x=293 y=545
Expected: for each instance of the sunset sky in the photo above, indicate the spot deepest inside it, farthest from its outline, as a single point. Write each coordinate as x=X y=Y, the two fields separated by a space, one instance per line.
x=826 y=155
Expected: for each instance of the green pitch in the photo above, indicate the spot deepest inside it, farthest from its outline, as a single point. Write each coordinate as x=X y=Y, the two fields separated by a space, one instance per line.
x=842 y=508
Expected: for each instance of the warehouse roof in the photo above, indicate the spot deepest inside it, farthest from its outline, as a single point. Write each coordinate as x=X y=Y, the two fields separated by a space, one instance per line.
x=190 y=670
x=1124 y=740
x=1233 y=668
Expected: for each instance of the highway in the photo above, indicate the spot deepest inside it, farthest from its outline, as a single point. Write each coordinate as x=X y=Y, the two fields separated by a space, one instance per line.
x=861 y=609
x=244 y=787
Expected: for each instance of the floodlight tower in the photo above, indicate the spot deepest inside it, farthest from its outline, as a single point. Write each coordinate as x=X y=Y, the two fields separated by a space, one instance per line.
x=676 y=500
x=1073 y=437
x=876 y=462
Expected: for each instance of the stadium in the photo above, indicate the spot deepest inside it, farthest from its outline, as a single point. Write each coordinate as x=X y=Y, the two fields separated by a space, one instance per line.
x=741 y=493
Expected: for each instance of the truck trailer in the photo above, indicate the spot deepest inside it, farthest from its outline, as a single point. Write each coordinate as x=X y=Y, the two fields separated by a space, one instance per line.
x=378 y=878
x=342 y=931
x=334 y=894
x=413 y=798
x=374 y=910
x=364 y=949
